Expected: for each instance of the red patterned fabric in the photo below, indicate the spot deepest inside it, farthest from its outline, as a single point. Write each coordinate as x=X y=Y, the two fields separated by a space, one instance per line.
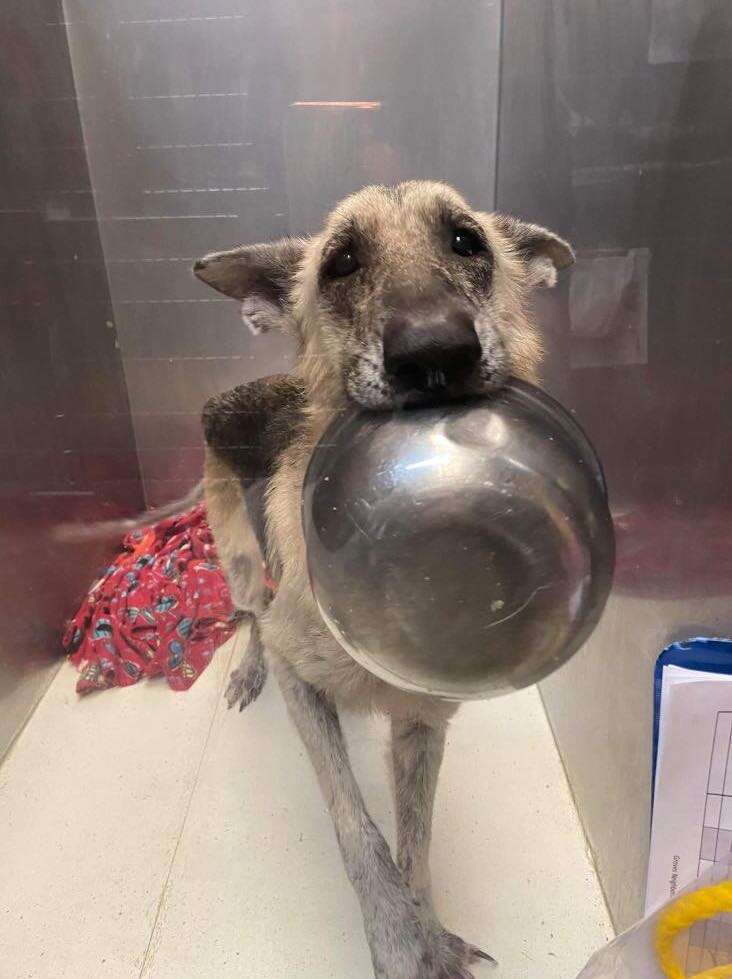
x=162 y=607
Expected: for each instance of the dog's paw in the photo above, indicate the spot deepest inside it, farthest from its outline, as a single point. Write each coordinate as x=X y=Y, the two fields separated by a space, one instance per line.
x=246 y=684
x=427 y=952
x=459 y=954
x=449 y=957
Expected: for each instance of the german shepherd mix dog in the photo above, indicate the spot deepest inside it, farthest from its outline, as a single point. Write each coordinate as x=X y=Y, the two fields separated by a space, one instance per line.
x=407 y=296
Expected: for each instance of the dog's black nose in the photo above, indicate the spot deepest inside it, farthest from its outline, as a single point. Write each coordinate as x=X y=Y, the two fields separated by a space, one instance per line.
x=430 y=352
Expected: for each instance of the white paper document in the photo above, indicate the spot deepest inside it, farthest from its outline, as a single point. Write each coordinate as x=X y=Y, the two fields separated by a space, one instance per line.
x=692 y=810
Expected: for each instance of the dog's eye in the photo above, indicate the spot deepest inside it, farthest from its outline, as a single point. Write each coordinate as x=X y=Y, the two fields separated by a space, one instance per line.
x=466 y=242
x=342 y=263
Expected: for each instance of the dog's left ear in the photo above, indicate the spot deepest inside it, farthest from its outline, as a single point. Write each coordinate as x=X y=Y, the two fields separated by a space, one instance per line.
x=543 y=252
x=259 y=276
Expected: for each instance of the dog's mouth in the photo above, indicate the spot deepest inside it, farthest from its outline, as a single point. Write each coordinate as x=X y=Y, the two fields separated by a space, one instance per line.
x=377 y=390
x=435 y=386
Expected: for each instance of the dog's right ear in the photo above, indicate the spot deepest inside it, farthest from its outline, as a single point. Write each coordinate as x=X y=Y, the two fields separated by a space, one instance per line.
x=259 y=276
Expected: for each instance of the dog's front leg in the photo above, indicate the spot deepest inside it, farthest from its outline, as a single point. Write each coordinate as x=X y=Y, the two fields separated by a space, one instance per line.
x=417 y=749
x=405 y=944
x=248 y=679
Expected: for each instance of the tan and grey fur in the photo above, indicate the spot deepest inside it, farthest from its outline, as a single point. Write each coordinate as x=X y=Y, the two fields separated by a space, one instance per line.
x=384 y=252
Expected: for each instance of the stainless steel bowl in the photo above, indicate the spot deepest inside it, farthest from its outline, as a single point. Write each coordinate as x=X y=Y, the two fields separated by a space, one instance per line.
x=463 y=550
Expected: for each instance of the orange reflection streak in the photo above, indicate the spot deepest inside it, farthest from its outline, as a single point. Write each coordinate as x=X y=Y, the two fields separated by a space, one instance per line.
x=337 y=105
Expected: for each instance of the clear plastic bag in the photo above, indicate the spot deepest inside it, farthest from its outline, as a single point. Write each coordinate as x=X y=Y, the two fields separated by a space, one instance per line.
x=706 y=945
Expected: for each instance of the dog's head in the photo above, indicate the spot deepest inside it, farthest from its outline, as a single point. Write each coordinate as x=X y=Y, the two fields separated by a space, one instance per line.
x=406 y=296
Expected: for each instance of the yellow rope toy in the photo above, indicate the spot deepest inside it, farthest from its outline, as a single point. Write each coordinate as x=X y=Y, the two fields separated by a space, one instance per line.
x=680 y=916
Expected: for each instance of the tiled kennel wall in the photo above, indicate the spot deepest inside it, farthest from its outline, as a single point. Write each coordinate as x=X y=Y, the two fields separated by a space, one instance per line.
x=615 y=129
x=210 y=124
x=66 y=442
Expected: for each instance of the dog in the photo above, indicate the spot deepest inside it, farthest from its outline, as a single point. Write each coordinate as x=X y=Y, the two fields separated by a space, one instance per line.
x=408 y=296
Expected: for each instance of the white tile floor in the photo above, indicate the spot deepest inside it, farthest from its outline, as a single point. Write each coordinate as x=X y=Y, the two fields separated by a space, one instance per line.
x=147 y=833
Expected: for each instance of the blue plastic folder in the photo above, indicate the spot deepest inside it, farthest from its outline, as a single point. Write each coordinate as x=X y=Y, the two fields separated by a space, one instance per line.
x=707 y=655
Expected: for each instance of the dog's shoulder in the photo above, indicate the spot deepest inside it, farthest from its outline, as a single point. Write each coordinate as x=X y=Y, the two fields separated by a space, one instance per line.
x=251 y=425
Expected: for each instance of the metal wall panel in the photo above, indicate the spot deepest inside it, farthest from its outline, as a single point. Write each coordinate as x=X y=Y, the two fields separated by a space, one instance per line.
x=66 y=442
x=615 y=131
x=234 y=121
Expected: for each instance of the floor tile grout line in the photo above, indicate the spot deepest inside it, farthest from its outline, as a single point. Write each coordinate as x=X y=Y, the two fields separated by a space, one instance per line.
x=189 y=802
